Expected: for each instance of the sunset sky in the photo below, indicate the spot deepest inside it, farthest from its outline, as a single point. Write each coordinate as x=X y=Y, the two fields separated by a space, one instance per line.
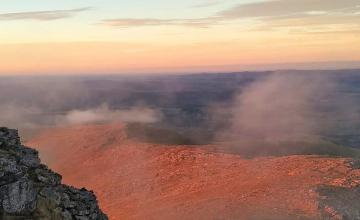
x=118 y=36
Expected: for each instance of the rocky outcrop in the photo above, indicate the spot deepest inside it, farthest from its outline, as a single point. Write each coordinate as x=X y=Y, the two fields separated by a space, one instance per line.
x=31 y=191
x=341 y=201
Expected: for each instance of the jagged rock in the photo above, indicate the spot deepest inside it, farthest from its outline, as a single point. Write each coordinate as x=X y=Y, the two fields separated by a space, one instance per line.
x=19 y=197
x=46 y=176
x=31 y=191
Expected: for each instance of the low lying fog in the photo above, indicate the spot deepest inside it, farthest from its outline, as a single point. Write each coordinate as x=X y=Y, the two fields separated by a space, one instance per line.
x=30 y=104
x=276 y=107
x=286 y=106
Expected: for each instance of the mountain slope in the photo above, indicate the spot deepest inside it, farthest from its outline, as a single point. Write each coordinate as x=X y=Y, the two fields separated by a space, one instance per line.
x=135 y=180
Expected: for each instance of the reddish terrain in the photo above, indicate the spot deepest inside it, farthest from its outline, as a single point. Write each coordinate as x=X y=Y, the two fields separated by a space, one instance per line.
x=145 y=181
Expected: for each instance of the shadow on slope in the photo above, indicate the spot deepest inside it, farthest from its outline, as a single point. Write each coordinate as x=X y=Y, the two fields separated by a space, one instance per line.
x=151 y=133
x=284 y=148
x=157 y=135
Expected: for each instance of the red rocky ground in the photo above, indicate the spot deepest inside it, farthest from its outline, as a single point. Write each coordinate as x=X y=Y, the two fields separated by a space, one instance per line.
x=136 y=180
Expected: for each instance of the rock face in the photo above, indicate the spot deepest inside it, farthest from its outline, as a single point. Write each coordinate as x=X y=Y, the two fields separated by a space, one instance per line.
x=31 y=191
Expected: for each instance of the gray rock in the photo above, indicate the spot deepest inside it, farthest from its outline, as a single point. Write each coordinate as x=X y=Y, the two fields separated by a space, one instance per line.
x=339 y=201
x=29 y=190
x=10 y=171
x=81 y=218
x=355 y=163
x=30 y=160
x=19 y=197
x=46 y=176
x=51 y=195
x=66 y=215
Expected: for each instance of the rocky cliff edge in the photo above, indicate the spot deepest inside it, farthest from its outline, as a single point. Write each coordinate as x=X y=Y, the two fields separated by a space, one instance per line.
x=30 y=190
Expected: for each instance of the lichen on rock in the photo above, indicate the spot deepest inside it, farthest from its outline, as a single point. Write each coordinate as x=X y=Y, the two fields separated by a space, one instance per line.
x=29 y=190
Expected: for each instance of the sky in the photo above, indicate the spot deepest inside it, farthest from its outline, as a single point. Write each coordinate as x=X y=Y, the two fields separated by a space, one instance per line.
x=118 y=36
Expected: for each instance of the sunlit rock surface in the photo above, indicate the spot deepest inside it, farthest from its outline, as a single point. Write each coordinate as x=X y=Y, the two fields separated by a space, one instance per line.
x=138 y=180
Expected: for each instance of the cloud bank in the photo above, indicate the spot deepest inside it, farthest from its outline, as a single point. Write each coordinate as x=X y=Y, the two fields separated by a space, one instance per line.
x=32 y=104
x=285 y=8
x=42 y=15
x=286 y=108
x=270 y=14
x=103 y=114
x=141 y=22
